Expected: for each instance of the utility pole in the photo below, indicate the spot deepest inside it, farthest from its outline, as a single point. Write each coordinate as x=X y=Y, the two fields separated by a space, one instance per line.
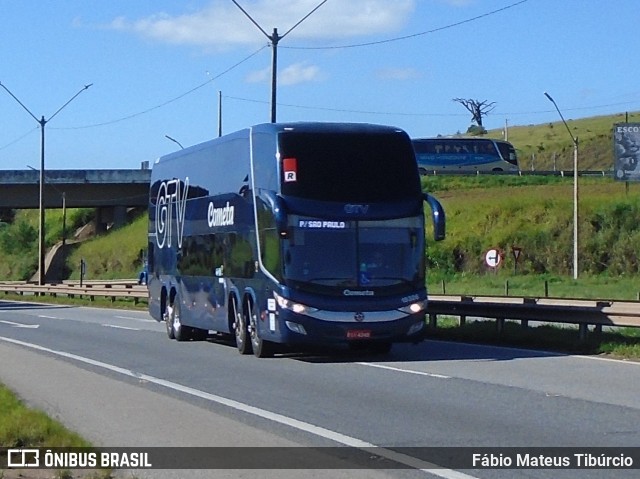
x=274 y=38
x=219 y=113
x=42 y=122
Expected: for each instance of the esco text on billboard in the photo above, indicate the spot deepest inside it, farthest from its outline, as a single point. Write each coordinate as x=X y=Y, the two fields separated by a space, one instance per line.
x=626 y=144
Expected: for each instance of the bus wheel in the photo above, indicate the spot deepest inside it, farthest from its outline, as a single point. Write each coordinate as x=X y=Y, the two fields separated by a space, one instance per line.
x=179 y=332
x=168 y=320
x=261 y=348
x=241 y=331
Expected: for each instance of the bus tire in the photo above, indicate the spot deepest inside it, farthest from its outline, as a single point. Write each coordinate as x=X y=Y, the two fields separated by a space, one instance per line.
x=168 y=320
x=241 y=330
x=179 y=331
x=261 y=348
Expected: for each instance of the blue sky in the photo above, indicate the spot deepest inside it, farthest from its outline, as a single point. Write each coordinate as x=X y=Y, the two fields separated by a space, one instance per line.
x=156 y=67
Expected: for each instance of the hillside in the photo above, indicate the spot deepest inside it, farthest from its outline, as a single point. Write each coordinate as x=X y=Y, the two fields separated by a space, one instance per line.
x=537 y=145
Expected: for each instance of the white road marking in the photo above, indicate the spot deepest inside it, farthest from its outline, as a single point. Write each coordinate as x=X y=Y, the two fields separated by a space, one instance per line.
x=21 y=325
x=137 y=319
x=120 y=327
x=409 y=371
x=246 y=408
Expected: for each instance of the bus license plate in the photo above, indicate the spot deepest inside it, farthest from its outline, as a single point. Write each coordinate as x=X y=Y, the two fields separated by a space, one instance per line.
x=358 y=334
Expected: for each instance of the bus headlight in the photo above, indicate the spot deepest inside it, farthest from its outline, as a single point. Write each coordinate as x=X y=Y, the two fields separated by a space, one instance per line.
x=415 y=308
x=297 y=308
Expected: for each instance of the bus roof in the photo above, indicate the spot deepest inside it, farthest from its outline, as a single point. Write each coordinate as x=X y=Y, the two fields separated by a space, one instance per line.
x=454 y=138
x=273 y=128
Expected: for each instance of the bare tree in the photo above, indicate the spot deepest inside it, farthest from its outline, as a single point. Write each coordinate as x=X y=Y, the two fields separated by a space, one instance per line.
x=478 y=109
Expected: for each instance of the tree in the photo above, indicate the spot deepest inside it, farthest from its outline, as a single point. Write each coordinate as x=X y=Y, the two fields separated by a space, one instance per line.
x=477 y=108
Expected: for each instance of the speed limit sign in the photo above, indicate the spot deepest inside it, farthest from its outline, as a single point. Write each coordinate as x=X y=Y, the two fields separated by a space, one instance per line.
x=492 y=258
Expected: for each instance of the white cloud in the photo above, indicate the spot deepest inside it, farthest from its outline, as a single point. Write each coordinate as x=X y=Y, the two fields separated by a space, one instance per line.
x=459 y=3
x=222 y=24
x=291 y=75
x=398 y=73
x=299 y=73
x=259 y=75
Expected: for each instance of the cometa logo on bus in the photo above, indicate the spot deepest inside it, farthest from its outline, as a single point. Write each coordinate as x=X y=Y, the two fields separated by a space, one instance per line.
x=351 y=292
x=220 y=216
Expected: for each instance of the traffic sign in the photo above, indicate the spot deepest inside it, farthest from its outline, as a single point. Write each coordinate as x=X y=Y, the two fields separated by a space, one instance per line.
x=492 y=258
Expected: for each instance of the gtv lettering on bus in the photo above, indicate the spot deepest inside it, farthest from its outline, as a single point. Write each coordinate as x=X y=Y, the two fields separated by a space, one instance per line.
x=170 y=196
x=220 y=216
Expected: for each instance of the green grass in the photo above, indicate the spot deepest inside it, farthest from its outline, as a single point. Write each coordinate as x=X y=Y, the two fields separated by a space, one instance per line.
x=546 y=140
x=622 y=343
x=24 y=427
x=505 y=282
x=116 y=255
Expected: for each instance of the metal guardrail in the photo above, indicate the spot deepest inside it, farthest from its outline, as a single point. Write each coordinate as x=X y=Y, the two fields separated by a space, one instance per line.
x=562 y=173
x=583 y=312
x=112 y=290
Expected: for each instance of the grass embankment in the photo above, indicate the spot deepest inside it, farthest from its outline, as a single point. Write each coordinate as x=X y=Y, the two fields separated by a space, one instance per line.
x=548 y=146
x=23 y=427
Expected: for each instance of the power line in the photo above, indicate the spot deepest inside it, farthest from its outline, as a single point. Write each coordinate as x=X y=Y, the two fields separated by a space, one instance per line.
x=134 y=115
x=18 y=139
x=148 y=110
x=390 y=113
x=341 y=110
x=406 y=37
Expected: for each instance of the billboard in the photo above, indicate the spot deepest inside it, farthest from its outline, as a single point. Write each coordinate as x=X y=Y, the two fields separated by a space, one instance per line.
x=626 y=144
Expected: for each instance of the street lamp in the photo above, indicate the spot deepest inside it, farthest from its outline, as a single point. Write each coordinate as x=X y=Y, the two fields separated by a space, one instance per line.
x=42 y=122
x=175 y=141
x=574 y=139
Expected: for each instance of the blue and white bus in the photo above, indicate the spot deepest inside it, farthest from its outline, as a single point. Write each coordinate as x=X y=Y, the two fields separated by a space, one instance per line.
x=464 y=155
x=301 y=233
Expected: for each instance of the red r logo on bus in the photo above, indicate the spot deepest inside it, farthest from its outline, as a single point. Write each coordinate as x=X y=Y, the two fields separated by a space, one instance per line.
x=290 y=167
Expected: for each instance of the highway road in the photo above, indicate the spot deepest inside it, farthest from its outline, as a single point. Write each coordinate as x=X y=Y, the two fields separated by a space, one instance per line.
x=115 y=377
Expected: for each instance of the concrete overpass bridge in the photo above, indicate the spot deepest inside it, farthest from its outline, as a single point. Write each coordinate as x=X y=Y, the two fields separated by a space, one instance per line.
x=111 y=192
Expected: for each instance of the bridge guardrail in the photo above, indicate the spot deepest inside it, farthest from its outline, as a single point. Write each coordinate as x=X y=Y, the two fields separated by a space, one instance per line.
x=583 y=312
x=112 y=290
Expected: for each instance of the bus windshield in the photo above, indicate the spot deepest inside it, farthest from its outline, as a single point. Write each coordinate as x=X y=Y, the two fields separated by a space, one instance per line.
x=387 y=256
x=348 y=167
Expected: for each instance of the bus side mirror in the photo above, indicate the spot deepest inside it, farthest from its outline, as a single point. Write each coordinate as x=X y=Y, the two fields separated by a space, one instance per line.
x=437 y=215
x=279 y=209
x=280 y=214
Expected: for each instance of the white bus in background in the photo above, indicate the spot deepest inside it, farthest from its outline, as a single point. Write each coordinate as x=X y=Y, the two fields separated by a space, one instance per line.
x=464 y=154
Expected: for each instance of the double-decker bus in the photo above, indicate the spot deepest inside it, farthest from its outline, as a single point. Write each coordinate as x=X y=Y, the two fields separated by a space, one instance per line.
x=301 y=233
x=464 y=154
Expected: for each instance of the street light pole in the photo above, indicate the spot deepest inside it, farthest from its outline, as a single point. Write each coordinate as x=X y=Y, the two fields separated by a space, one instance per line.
x=175 y=141
x=42 y=122
x=274 y=39
x=574 y=139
